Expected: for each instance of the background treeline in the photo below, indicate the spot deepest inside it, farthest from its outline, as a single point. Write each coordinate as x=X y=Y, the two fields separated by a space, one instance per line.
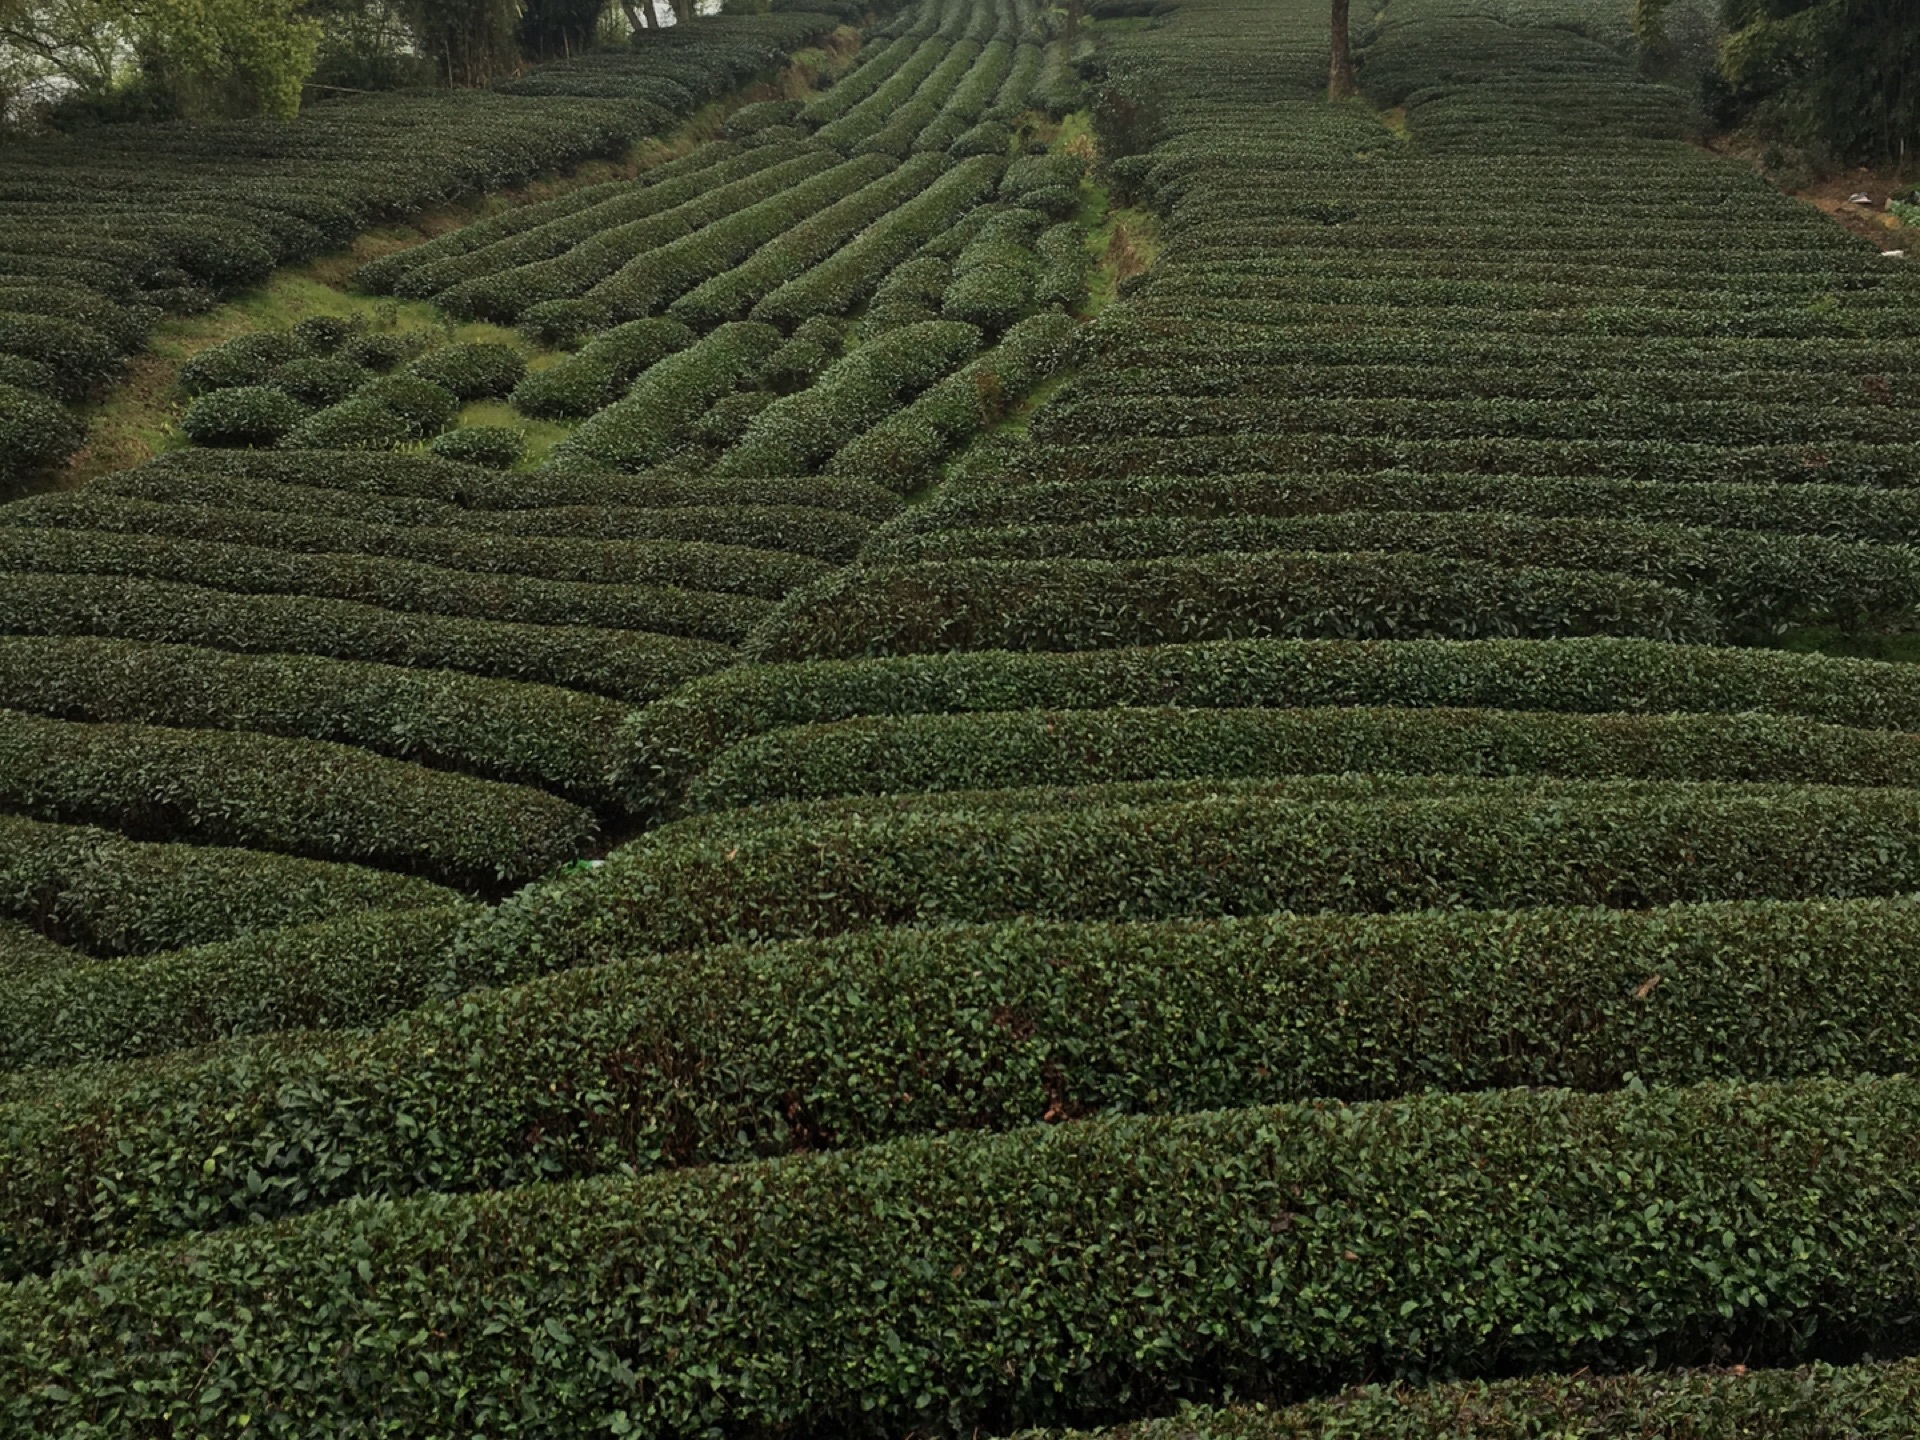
x=1837 y=79
x=69 y=62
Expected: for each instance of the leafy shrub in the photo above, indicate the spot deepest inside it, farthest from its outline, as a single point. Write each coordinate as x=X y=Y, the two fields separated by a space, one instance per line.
x=626 y=665
x=901 y=450
x=910 y=294
x=558 y=739
x=598 y=374
x=495 y=447
x=1017 y=1019
x=472 y=371
x=558 y=324
x=331 y=974
x=299 y=797
x=730 y=417
x=244 y=415
x=671 y=396
x=1081 y=604
x=426 y=408
x=360 y=422
x=322 y=334
x=796 y=431
x=1064 y=264
x=109 y=895
x=237 y=362
x=993 y=277
x=379 y=352
x=35 y=432
x=672 y=740
x=815 y=345
x=316 y=380
x=999 y=749
x=1353 y=844
x=918 y=1262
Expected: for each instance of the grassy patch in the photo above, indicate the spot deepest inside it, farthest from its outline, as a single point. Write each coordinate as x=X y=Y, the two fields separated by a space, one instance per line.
x=541 y=435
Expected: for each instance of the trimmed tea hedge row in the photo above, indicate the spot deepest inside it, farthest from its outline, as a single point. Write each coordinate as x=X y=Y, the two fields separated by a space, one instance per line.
x=1013 y=497
x=1840 y=462
x=796 y=432
x=624 y=664
x=662 y=273
x=672 y=739
x=558 y=739
x=729 y=295
x=25 y=953
x=684 y=564
x=901 y=450
x=1819 y=1399
x=552 y=227
x=1091 y=604
x=301 y=797
x=1204 y=848
x=715 y=1055
x=993 y=276
x=1752 y=579
x=994 y=749
x=36 y=431
x=504 y=294
x=399 y=585
x=103 y=893
x=978 y=1282
x=666 y=401
x=404 y=490
x=338 y=974
x=866 y=119
x=1401 y=417
x=851 y=273
x=600 y=372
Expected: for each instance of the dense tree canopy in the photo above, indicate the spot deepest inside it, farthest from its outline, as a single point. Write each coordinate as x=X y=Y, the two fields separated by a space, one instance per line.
x=1841 y=75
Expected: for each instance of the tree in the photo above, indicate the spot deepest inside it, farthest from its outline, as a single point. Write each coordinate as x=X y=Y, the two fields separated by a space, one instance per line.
x=222 y=55
x=1340 y=81
x=1841 y=76
x=559 y=27
x=469 y=41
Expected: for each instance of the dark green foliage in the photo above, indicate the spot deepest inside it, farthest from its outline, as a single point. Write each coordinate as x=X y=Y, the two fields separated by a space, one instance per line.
x=105 y=894
x=469 y=371
x=716 y=1056
x=317 y=380
x=993 y=277
x=244 y=415
x=377 y=352
x=1142 y=851
x=399 y=585
x=495 y=447
x=1063 y=267
x=626 y=665
x=673 y=739
x=426 y=408
x=35 y=432
x=360 y=422
x=901 y=451
x=299 y=797
x=559 y=739
x=816 y=344
x=795 y=433
x=335 y=974
x=851 y=273
x=1087 y=604
x=601 y=371
x=1864 y=1399
x=322 y=334
x=1082 y=747
x=242 y=360
x=910 y=294
x=668 y=398
x=988 y=1282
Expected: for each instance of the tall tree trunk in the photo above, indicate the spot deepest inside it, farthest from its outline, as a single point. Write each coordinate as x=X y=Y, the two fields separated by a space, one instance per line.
x=634 y=22
x=653 y=14
x=682 y=11
x=1340 y=84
